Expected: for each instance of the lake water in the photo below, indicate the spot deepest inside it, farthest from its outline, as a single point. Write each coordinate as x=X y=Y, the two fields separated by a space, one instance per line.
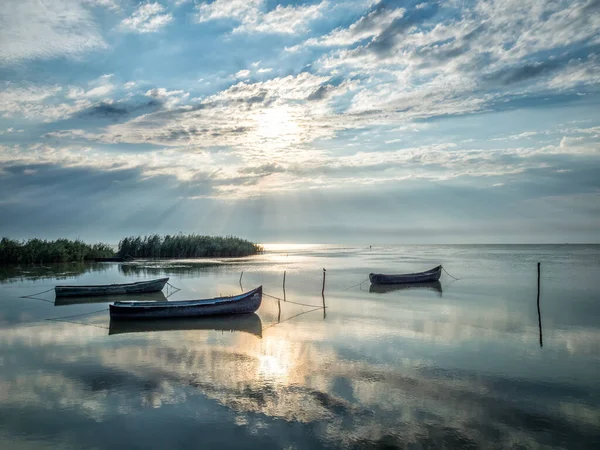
x=452 y=366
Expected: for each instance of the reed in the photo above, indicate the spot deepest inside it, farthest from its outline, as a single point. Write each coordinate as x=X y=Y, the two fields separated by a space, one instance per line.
x=186 y=246
x=38 y=251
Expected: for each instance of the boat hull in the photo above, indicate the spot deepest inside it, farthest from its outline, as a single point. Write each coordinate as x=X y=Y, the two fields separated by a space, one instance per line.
x=420 y=277
x=245 y=303
x=111 y=289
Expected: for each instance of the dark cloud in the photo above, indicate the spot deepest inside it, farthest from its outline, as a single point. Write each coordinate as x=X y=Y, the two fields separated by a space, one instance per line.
x=385 y=42
x=264 y=169
x=320 y=93
x=522 y=73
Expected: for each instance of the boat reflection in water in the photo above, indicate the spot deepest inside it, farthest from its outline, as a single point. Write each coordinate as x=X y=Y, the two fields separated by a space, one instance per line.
x=248 y=323
x=147 y=297
x=383 y=288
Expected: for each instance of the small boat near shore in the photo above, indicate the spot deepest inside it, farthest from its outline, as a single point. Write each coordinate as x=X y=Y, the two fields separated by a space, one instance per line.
x=114 y=259
x=418 y=277
x=247 y=323
x=245 y=303
x=385 y=288
x=139 y=287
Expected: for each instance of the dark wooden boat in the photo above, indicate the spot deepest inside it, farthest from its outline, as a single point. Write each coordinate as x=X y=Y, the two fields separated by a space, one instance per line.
x=245 y=303
x=419 y=277
x=247 y=323
x=384 y=288
x=114 y=259
x=158 y=296
x=111 y=289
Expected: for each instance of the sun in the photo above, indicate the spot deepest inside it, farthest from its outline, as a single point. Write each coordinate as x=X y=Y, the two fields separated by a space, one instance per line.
x=277 y=123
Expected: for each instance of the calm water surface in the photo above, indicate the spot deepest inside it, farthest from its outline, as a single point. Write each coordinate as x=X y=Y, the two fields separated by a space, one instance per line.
x=456 y=366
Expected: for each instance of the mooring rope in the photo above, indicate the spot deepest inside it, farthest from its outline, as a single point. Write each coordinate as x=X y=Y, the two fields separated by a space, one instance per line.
x=34 y=295
x=78 y=315
x=293 y=303
x=357 y=284
x=449 y=274
x=290 y=318
x=174 y=287
x=80 y=323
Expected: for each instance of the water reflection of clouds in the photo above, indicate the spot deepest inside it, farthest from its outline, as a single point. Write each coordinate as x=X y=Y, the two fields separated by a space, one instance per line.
x=294 y=373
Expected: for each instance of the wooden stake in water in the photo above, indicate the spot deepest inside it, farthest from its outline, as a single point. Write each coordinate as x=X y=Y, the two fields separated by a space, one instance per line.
x=538 y=306
x=323 y=295
x=279 y=312
x=284 y=286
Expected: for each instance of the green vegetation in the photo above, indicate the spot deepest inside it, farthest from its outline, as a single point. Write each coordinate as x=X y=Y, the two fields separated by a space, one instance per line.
x=37 y=251
x=186 y=246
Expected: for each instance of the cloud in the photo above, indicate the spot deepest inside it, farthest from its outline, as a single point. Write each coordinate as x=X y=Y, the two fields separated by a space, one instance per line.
x=227 y=9
x=37 y=102
x=282 y=20
x=168 y=98
x=242 y=74
x=100 y=87
x=147 y=18
x=44 y=30
x=253 y=19
x=368 y=26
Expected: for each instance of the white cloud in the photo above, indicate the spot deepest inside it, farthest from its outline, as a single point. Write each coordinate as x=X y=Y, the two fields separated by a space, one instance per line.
x=253 y=18
x=109 y=4
x=242 y=74
x=228 y=9
x=98 y=88
x=37 y=102
x=265 y=70
x=148 y=18
x=282 y=20
x=30 y=29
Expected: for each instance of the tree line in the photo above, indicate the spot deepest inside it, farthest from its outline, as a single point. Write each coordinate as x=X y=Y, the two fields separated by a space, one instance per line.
x=186 y=246
x=38 y=251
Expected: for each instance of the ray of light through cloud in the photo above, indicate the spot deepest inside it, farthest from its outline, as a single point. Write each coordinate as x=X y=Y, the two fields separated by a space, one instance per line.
x=307 y=121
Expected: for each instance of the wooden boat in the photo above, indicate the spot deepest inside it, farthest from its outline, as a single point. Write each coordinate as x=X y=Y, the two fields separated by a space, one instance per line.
x=419 y=277
x=247 y=323
x=384 y=288
x=111 y=289
x=157 y=296
x=248 y=302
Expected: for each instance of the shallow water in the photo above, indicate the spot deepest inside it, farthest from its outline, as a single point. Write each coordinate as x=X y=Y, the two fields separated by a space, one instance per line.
x=459 y=366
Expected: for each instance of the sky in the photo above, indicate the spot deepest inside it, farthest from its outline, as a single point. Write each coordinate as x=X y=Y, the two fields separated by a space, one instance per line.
x=313 y=121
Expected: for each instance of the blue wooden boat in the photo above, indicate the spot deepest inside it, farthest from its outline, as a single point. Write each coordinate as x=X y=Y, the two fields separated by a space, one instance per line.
x=419 y=277
x=111 y=289
x=245 y=303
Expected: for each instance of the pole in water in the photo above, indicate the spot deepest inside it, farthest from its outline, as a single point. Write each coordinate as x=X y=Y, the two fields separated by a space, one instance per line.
x=538 y=305
x=284 y=286
x=323 y=295
x=279 y=313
